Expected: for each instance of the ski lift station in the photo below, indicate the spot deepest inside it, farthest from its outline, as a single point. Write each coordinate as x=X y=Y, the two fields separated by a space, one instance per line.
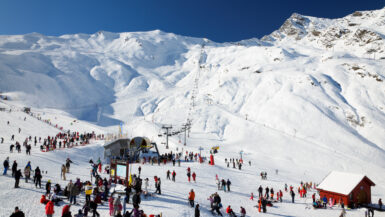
x=130 y=150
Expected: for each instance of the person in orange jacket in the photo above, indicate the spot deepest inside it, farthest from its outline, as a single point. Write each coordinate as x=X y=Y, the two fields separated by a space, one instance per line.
x=49 y=210
x=191 y=197
x=259 y=204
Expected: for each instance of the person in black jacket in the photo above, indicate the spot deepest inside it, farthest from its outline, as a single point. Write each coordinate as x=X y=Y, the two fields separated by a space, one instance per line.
x=48 y=187
x=136 y=199
x=14 y=168
x=128 y=191
x=6 y=166
x=228 y=184
x=94 y=207
x=216 y=204
x=260 y=191
x=17 y=178
x=264 y=203
x=37 y=177
x=197 y=211
x=17 y=213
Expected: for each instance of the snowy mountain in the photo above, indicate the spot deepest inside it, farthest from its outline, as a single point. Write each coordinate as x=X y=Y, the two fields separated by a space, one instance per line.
x=311 y=92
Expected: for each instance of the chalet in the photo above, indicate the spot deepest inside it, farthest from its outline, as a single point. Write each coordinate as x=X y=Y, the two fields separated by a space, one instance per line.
x=350 y=188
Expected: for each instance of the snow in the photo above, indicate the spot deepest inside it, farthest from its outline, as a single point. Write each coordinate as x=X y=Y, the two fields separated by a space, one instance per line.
x=292 y=104
x=173 y=201
x=341 y=182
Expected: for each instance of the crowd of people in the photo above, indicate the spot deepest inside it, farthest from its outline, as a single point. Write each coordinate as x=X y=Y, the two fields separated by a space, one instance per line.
x=87 y=195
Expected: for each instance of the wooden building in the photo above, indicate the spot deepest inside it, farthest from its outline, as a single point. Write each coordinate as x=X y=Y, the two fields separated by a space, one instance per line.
x=352 y=189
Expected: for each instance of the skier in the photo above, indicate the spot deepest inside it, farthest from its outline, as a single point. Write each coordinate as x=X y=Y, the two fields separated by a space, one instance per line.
x=49 y=209
x=66 y=211
x=128 y=191
x=228 y=184
x=267 y=192
x=157 y=185
x=17 y=178
x=63 y=172
x=197 y=211
x=173 y=175
x=191 y=197
x=27 y=172
x=168 y=174
x=14 y=168
x=243 y=211
x=194 y=175
x=73 y=192
x=111 y=205
x=218 y=183
x=68 y=164
x=37 y=177
x=293 y=195
x=146 y=185
x=17 y=213
x=230 y=211
x=88 y=192
x=117 y=205
x=11 y=148
x=188 y=176
x=94 y=207
x=6 y=165
x=223 y=182
x=48 y=187
x=380 y=203
x=260 y=191
x=324 y=201
x=136 y=199
x=264 y=203
x=216 y=204
x=139 y=170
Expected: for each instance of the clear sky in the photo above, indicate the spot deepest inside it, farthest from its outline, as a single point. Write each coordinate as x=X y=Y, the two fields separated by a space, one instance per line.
x=218 y=20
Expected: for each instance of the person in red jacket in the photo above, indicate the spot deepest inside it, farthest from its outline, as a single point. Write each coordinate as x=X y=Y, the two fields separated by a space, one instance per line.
x=49 y=211
x=43 y=199
x=230 y=211
x=194 y=176
x=66 y=211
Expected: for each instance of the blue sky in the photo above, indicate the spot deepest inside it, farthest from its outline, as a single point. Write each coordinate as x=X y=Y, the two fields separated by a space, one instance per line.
x=218 y=20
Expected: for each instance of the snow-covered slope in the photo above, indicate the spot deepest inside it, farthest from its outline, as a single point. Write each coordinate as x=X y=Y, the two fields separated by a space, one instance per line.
x=173 y=201
x=311 y=92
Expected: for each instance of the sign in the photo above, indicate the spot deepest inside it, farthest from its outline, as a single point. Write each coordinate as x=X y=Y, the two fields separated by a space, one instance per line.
x=121 y=170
